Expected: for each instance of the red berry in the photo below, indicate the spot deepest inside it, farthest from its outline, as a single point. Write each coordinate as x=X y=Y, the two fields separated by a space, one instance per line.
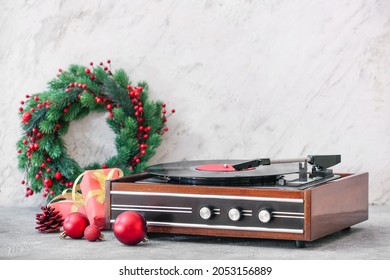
x=26 y=117
x=108 y=61
x=48 y=182
x=58 y=176
x=109 y=107
x=87 y=71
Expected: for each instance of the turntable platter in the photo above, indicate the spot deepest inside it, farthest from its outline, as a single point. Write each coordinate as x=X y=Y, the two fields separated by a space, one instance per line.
x=219 y=172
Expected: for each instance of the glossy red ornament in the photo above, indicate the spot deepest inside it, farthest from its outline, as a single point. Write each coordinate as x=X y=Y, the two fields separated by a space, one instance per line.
x=74 y=225
x=130 y=228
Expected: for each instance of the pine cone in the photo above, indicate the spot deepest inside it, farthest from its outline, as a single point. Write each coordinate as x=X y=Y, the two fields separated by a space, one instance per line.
x=49 y=220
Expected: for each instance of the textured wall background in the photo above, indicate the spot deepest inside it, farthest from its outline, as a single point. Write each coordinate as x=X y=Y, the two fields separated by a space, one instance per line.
x=248 y=78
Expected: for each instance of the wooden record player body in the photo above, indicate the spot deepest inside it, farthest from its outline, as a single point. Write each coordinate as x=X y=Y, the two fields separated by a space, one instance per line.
x=328 y=208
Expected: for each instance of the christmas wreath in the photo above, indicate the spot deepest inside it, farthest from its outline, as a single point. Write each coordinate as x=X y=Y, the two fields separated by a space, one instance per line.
x=138 y=124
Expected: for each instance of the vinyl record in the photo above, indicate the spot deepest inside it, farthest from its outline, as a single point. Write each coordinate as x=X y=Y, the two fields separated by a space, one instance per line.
x=220 y=172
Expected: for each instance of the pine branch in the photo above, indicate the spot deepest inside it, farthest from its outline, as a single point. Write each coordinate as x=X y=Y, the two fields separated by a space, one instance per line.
x=121 y=78
x=119 y=96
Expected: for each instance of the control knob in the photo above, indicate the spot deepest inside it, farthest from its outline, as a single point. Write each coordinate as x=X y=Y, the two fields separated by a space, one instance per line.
x=205 y=213
x=234 y=214
x=265 y=215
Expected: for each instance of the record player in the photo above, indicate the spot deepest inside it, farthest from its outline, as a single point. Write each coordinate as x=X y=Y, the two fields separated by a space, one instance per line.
x=299 y=199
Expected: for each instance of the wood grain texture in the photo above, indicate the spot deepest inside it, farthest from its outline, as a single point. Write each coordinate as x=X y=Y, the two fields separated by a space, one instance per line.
x=338 y=205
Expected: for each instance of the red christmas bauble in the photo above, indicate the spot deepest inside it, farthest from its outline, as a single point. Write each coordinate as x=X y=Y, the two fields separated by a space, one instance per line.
x=26 y=117
x=130 y=228
x=92 y=233
x=74 y=225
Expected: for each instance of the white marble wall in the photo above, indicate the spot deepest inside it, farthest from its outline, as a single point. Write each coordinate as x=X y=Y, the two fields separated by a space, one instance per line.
x=247 y=78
